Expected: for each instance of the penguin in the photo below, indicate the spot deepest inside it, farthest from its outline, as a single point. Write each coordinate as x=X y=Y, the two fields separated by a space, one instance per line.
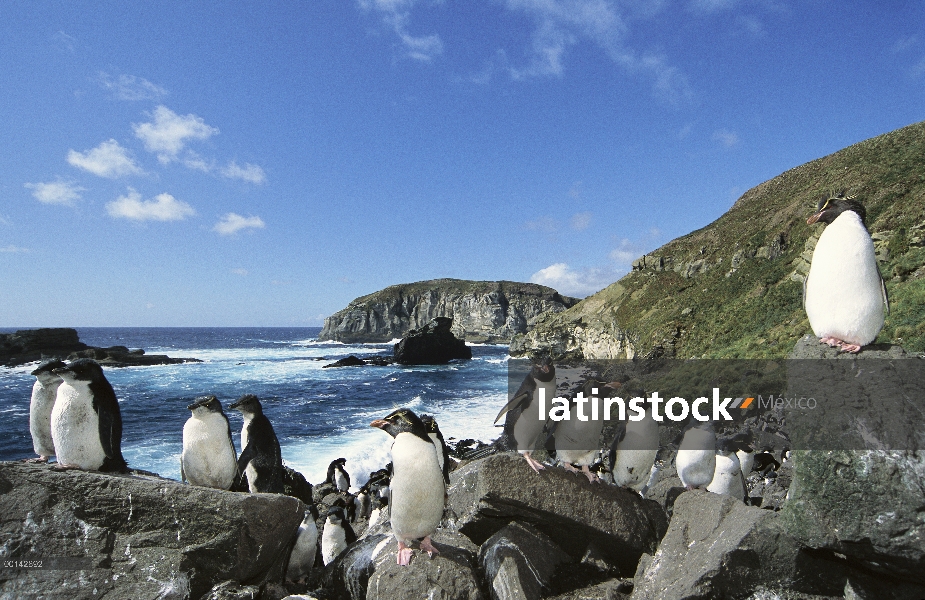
x=417 y=488
x=577 y=442
x=44 y=392
x=209 y=458
x=363 y=505
x=338 y=476
x=633 y=452
x=260 y=462
x=764 y=462
x=336 y=536
x=302 y=557
x=727 y=474
x=522 y=425
x=86 y=424
x=443 y=453
x=696 y=458
x=844 y=295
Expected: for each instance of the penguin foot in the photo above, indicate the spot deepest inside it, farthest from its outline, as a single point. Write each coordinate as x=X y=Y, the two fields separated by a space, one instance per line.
x=570 y=467
x=64 y=467
x=404 y=555
x=534 y=464
x=834 y=342
x=429 y=547
x=40 y=459
x=592 y=477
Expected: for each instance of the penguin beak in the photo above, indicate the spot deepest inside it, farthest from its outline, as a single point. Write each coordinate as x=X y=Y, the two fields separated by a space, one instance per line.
x=380 y=423
x=815 y=217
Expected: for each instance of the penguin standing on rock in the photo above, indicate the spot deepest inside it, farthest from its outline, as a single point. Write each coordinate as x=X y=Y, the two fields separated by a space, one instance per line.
x=86 y=424
x=260 y=462
x=338 y=475
x=417 y=489
x=302 y=558
x=523 y=425
x=44 y=392
x=727 y=475
x=633 y=453
x=696 y=458
x=844 y=295
x=208 y=457
x=577 y=441
x=443 y=453
x=337 y=535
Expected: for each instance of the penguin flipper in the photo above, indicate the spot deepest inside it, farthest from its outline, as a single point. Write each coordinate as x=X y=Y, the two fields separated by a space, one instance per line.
x=446 y=464
x=515 y=402
x=247 y=455
x=182 y=472
x=110 y=431
x=806 y=280
x=883 y=292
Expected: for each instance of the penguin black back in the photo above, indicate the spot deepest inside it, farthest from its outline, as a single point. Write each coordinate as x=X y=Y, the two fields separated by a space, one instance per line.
x=829 y=207
x=431 y=424
x=262 y=452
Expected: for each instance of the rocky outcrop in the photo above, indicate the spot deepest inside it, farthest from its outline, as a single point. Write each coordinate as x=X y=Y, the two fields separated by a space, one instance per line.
x=433 y=344
x=482 y=311
x=121 y=536
x=30 y=345
x=733 y=289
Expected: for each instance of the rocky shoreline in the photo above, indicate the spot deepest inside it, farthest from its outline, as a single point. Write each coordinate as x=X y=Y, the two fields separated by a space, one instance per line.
x=31 y=345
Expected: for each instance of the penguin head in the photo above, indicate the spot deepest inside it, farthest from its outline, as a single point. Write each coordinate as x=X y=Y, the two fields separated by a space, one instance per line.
x=248 y=404
x=311 y=514
x=431 y=425
x=543 y=368
x=205 y=404
x=45 y=370
x=830 y=207
x=82 y=369
x=336 y=515
x=402 y=420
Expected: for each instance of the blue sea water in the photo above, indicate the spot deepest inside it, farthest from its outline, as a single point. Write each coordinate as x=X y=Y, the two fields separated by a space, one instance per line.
x=318 y=414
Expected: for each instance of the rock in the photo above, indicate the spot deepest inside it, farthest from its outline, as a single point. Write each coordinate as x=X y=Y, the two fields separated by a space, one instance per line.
x=367 y=571
x=350 y=361
x=31 y=345
x=519 y=562
x=717 y=547
x=353 y=361
x=433 y=344
x=482 y=311
x=295 y=485
x=576 y=515
x=138 y=537
x=232 y=590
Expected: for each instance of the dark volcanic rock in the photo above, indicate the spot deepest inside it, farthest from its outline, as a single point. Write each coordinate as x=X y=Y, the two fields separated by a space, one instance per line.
x=519 y=562
x=295 y=485
x=433 y=344
x=137 y=537
x=30 y=345
x=614 y=523
x=353 y=361
x=350 y=361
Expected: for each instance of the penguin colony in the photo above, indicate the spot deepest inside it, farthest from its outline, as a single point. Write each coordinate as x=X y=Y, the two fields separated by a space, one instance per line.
x=74 y=415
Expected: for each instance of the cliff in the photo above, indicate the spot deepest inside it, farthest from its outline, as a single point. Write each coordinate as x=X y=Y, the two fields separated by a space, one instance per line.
x=482 y=311
x=733 y=289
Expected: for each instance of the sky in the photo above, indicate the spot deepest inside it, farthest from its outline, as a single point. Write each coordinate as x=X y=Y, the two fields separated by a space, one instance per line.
x=264 y=163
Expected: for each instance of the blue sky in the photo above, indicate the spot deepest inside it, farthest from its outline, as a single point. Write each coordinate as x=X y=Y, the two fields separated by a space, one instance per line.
x=244 y=163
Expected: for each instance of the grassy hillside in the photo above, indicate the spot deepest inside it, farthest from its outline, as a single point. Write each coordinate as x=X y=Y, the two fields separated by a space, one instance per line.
x=733 y=289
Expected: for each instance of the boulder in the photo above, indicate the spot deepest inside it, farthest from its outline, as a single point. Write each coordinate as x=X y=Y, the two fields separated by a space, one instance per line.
x=578 y=516
x=367 y=570
x=519 y=562
x=717 y=547
x=433 y=344
x=137 y=537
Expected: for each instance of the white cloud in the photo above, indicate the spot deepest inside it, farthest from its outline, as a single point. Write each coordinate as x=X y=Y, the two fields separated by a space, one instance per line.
x=581 y=221
x=565 y=280
x=241 y=272
x=232 y=223
x=56 y=192
x=162 y=207
x=109 y=159
x=726 y=138
x=197 y=163
x=13 y=250
x=129 y=87
x=396 y=14
x=250 y=173
x=168 y=134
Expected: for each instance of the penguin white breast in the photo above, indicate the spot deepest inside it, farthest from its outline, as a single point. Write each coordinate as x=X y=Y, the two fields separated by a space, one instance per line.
x=636 y=454
x=417 y=488
x=843 y=295
x=302 y=558
x=44 y=392
x=578 y=441
x=333 y=542
x=727 y=478
x=696 y=459
x=75 y=427
x=208 y=457
x=247 y=423
x=340 y=480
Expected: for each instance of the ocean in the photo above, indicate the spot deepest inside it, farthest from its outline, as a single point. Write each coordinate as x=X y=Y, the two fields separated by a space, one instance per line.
x=318 y=414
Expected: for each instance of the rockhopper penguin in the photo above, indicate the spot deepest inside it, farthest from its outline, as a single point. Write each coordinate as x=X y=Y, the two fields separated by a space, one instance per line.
x=417 y=489
x=260 y=463
x=86 y=424
x=844 y=294
x=523 y=424
x=338 y=475
x=337 y=535
x=44 y=392
x=209 y=458
x=696 y=458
